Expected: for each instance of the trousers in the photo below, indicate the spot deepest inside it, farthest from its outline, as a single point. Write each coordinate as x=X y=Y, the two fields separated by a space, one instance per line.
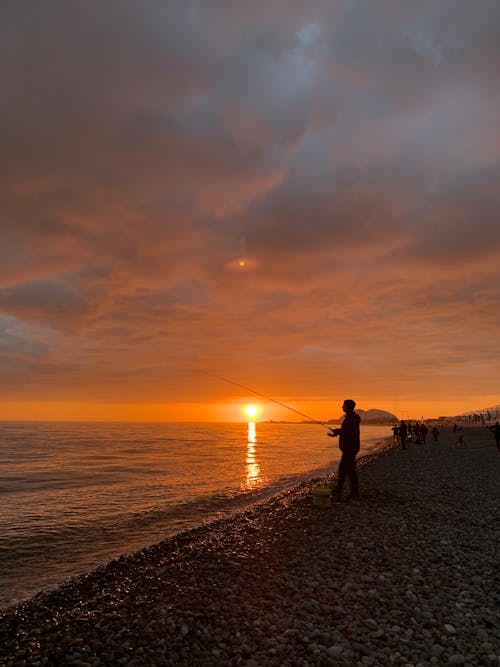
x=347 y=468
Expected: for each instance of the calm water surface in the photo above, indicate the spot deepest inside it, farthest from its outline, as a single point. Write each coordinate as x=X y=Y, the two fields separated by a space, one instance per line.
x=75 y=495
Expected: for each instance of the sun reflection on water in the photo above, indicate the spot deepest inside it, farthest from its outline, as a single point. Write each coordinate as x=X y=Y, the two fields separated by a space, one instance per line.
x=253 y=477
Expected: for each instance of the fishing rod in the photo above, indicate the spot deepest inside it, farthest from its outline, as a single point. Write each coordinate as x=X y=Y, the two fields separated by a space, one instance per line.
x=268 y=398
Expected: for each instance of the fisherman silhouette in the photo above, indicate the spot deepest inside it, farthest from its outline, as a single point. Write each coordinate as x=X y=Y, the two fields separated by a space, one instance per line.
x=349 y=446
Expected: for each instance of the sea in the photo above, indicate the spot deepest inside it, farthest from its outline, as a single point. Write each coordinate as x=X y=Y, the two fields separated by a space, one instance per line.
x=75 y=495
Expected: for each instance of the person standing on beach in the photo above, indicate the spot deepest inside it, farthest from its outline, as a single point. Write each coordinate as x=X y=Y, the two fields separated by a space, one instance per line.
x=496 y=432
x=403 y=433
x=349 y=444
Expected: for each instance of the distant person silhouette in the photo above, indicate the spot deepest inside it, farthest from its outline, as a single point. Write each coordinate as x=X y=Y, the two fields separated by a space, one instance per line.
x=403 y=433
x=496 y=432
x=435 y=434
x=349 y=445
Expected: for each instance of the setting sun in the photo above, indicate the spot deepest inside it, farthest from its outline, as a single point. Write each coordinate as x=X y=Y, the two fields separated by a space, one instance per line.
x=251 y=410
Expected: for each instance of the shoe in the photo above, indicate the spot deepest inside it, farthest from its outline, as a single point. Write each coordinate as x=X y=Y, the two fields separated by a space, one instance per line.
x=353 y=496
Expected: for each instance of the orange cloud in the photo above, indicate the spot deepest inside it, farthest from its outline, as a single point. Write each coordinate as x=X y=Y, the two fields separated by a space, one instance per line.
x=140 y=146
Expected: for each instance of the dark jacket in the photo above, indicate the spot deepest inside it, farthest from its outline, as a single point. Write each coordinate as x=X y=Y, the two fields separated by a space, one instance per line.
x=349 y=433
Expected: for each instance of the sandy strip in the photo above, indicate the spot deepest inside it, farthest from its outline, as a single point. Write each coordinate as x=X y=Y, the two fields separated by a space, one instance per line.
x=408 y=575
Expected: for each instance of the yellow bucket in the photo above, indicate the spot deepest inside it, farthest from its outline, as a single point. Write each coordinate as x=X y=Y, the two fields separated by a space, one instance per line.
x=321 y=496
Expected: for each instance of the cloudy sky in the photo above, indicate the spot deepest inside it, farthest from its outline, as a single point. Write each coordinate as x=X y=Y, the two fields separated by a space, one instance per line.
x=299 y=195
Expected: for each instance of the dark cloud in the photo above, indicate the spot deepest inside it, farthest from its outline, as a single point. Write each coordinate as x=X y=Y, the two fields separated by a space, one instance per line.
x=42 y=297
x=353 y=147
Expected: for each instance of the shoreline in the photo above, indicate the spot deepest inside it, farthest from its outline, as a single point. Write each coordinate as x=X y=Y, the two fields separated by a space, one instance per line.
x=239 y=505
x=286 y=583
x=42 y=554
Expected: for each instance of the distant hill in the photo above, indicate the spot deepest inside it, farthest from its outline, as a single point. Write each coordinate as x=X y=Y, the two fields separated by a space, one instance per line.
x=373 y=416
x=376 y=416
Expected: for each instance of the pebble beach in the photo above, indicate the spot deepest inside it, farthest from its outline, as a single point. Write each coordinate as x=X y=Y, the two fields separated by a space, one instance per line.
x=407 y=575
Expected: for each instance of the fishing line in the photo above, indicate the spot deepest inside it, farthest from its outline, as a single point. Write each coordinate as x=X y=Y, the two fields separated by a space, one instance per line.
x=268 y=398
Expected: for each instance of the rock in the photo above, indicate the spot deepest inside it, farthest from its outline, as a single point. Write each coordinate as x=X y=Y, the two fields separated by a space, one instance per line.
x=377 y=634
x=335 y=651
x=456 y=659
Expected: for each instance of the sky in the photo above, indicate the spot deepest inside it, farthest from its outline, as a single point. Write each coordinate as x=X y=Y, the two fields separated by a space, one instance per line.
x=299 y=196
